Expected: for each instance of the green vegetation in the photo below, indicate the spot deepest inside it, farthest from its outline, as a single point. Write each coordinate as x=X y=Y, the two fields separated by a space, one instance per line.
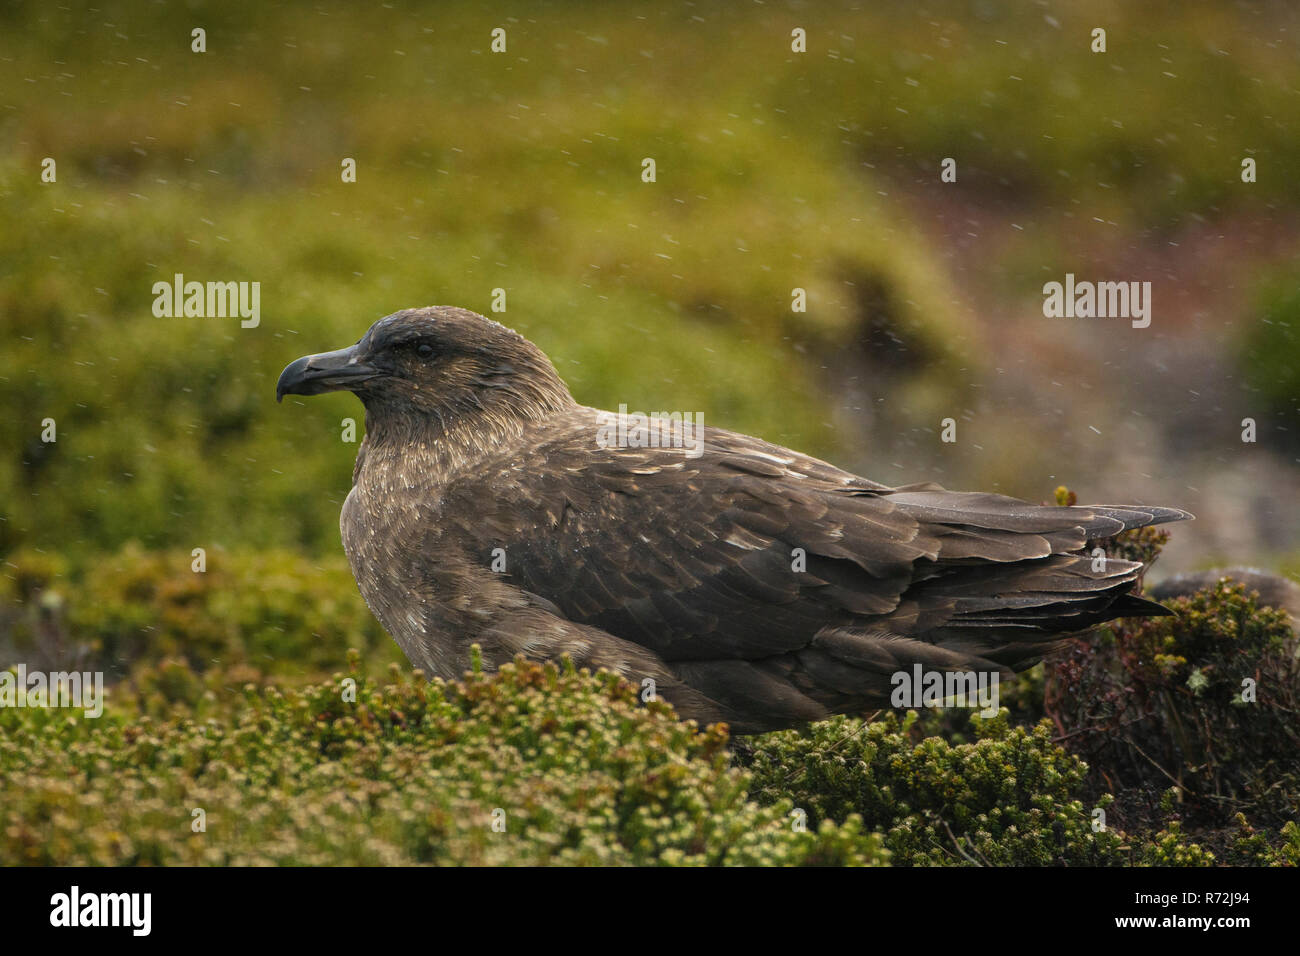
x=522 y=172
x=1205 y=700
x=531 y=766
x=534 y=765
x=256 y=614
x=1270 y=358
x=1012 y=798
x=218 y=705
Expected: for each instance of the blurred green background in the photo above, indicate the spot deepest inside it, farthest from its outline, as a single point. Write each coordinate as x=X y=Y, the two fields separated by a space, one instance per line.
x=521 y=170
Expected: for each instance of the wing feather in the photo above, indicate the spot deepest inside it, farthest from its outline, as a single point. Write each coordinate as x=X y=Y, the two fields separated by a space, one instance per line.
x=752 y=551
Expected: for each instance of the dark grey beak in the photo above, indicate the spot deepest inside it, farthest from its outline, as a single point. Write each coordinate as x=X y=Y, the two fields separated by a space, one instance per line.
x=326 y=372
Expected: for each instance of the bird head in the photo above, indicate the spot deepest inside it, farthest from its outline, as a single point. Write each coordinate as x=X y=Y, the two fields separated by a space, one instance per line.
x=437 y=363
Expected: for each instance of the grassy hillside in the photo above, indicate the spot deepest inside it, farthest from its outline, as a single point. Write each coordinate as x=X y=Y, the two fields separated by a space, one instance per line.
x=522 y=171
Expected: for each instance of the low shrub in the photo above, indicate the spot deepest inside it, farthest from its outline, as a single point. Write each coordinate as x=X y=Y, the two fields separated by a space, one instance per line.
x=266 y=612
x=1011 y=797
x=220 y=699
x=1204 y=700
x=533 y=765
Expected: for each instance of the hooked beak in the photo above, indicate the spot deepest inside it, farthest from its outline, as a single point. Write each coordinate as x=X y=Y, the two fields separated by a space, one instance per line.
x=326 y=372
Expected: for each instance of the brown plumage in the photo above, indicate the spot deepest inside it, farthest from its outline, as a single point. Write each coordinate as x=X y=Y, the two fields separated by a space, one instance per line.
x=684 y=570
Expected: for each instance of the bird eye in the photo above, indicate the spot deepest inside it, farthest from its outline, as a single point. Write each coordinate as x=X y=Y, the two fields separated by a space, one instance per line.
x=424 y=350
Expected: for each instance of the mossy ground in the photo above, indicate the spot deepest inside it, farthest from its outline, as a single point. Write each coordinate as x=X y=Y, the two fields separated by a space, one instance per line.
x=218 y=701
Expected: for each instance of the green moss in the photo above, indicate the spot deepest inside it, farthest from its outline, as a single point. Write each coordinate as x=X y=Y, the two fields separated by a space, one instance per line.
x=1012 y=797
x=533 y=765
x=262 y=613
x=219 y=697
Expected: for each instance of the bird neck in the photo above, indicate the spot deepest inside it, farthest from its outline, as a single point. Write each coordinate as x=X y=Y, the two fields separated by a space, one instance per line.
x=428 y=449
